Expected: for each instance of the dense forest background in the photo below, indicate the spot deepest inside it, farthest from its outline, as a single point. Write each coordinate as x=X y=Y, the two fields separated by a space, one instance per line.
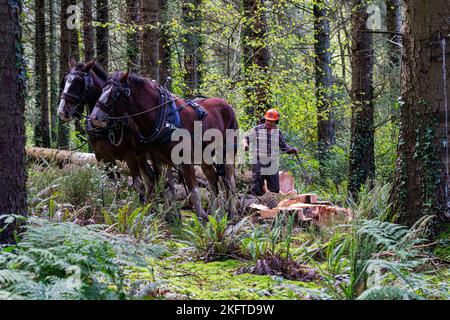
x=255 y=54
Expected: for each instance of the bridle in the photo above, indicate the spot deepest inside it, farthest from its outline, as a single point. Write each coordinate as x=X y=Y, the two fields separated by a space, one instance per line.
x=120 y=92
x=78 y=100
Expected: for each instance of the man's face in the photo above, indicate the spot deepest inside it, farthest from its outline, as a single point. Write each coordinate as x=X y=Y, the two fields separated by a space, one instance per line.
x=270 y=124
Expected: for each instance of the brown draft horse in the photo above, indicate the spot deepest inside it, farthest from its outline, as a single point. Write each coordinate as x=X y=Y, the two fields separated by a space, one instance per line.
x=139 y=98
x=83 y=85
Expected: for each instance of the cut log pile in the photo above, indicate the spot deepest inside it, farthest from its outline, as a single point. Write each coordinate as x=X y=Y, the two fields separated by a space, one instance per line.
x=306 y=208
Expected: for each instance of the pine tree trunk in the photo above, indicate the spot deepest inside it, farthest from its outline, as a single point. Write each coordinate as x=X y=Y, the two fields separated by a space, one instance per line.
x=132 y=19
x=324 y=80
x=75 y=53
x=64 y=45
x=422 y=182
x=12 y=126
x=362 y=160
x=42 y=134
x=261 y=58
x=192 y=45
x=88 y=32
x=74 y=44
x=256 y=58
x=149 y=41
x=53 y=68
x=165 y=53
x=394 y=27
x=102 y=33
x=246 y=52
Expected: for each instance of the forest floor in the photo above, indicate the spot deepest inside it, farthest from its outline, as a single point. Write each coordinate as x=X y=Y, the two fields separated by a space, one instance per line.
x=248 y=259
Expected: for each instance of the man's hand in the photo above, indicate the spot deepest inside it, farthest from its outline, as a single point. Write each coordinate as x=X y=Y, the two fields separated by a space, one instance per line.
x=293 y=151
x=245 y=142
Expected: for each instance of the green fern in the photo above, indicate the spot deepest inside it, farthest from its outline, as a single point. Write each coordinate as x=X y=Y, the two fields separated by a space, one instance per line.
x=66 y=261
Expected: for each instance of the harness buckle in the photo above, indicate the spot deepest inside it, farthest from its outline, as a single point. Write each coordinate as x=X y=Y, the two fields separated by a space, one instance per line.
x=112 y=137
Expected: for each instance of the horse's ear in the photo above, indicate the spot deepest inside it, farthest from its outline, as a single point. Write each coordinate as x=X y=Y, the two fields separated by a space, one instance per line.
x=88 y=66
x=72 y=62
x=124 y=77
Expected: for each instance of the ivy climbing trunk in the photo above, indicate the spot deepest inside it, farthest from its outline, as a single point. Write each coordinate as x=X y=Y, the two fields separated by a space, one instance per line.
x=192 y=45
x=422 y=182
x=12 y=122
x=64 y=55
x=256 y=57
x=88 y=32
x=132 y=16
x=149 y=41
x=324 y=81
x=42 y=129
x=102 y=33
x=362 y=160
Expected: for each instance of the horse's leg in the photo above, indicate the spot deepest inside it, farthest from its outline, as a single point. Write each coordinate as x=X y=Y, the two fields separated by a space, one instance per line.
x=191 y=183
x=146 y=173
x=138 y=185
x=110 y=172
x=170 y=181
x=230 y=184
x=211 y=177
x=159 y=170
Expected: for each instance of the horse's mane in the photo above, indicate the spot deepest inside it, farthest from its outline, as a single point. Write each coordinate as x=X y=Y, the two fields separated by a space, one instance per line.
x=97 y=68
x=137 y=80
x=100 y=72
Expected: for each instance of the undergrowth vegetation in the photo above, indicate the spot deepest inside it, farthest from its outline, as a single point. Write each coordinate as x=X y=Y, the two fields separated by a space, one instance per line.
x=88 y=237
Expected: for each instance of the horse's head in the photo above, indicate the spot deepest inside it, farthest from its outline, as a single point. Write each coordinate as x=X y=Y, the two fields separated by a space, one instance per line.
x=77 y=85
x=113 y=101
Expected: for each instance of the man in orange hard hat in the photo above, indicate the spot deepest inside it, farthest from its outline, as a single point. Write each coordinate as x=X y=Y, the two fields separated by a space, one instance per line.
x=263 y=142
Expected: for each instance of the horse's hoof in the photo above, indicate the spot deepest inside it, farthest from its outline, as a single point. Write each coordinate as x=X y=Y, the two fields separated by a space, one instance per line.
x=204 y=217
x=142 y=198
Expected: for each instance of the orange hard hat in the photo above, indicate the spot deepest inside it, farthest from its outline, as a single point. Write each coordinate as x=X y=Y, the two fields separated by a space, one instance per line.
x=272 y=115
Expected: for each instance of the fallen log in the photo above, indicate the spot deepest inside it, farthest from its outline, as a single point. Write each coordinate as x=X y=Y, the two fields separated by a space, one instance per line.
x=65 y=157
x=61 y=157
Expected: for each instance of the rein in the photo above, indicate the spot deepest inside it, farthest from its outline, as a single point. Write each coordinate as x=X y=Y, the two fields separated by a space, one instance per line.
x=127 y=116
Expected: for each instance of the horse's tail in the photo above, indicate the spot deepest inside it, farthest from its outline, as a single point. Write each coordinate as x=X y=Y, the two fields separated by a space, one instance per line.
x=229 y=145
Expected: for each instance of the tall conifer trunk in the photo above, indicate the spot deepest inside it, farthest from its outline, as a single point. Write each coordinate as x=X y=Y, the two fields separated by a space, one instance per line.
x=423 y=179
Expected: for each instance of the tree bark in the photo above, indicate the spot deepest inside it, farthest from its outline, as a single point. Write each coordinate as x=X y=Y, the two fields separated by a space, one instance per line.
x=75 y=53
x=132 y=18
x=88 y=32
x=362 y=160
x=165 y=53
x=42 y=131
x=256 y=58
x=149 y=41
x=53 y=68
x=74 y=43
x=192 y=45
x=394 y=27
x=64 y=44
x=422 y=181
x=324 y=81
x=12 y=122
x=102 y=33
